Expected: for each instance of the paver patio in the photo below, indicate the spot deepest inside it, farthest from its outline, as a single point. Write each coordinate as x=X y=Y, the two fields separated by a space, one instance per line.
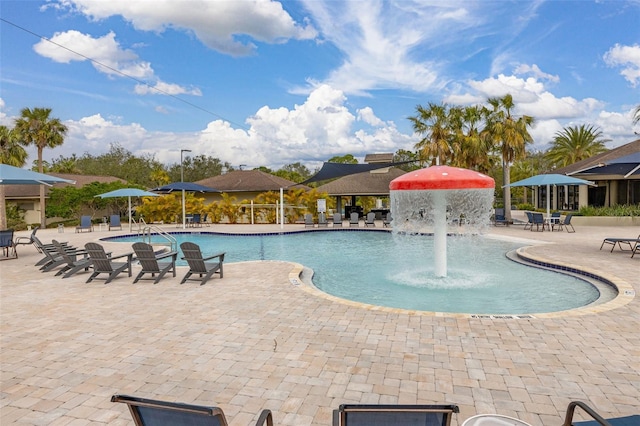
x=254 y=340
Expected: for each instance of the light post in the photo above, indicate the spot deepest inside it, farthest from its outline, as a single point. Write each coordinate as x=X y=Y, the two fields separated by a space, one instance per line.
x=184 y=216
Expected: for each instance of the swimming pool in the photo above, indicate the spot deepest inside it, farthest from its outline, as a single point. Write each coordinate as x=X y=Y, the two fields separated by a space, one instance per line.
x=385 y=269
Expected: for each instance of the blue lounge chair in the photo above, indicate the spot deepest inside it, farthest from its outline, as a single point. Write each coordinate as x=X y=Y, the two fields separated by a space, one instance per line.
x=633 y=420
x=149 y=412
x=529 y=223
x=628 y=242
x=393 y=415
x=103 y=264
x=196 y=221
x=85 y=224
x=8 y=247
x=114 y=222
x=154 y=264
x=499 y=217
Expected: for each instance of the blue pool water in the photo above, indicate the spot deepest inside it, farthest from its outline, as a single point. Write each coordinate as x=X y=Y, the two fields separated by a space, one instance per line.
x=386 y=269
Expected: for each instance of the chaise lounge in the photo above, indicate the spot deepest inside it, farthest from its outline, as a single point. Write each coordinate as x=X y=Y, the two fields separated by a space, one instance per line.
x=149 y=412
x=630 y=242
x=393 y=415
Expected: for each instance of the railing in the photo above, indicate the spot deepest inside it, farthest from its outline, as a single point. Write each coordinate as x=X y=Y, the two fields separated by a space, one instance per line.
x=150 y=230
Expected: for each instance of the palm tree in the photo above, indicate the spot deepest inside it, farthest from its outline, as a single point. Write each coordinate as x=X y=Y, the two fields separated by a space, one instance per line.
x=35 y=126
x=13 y=154
x=575 y=143
x=510 y=135
x=434 y=123
x=473 y=150
x=636 y=115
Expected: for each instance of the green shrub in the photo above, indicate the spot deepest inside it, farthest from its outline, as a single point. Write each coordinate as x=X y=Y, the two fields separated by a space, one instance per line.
x=618 y=210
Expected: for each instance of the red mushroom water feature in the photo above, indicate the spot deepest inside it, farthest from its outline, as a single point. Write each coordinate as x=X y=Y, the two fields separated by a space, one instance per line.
x=431 y=199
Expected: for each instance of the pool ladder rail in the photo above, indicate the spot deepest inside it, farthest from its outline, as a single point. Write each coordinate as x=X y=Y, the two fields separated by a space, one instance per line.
x=150 y=230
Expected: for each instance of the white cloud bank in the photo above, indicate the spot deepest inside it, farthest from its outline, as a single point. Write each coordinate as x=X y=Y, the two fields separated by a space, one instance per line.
x=108 y=57
x=220 y=25
x=627 y=57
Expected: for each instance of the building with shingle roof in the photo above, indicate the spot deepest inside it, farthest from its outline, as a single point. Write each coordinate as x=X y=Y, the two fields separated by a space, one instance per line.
x=615 y=172
x=247 y=184
x=27 y=197
x=374 y=183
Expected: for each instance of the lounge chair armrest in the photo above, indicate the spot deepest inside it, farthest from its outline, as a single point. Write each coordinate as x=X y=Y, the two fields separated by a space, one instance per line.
x=129 y=255
x=568 y=420
x=220 y=255
x=265 y=416
x=173 y=254
x=27 y=239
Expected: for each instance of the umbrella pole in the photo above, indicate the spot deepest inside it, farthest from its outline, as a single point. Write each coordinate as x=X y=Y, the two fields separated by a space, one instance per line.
x=184 y=215
x=130 y=228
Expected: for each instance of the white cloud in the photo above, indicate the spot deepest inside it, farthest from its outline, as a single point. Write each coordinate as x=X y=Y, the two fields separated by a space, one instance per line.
x=162 y=88
x=627 y=57
x=536 y=72
x=314 y=131
x=105 y=51
x=220 y=25
x=107 y=56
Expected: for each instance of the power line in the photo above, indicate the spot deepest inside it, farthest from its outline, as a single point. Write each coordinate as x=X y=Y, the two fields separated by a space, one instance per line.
x=117 y=71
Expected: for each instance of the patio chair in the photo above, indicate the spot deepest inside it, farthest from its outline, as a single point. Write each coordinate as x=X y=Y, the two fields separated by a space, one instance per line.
x=308 y=221
x=337 y=219
x=392 y=415
x=529 y=223
x=555 y=220
x=632 y=420
x=103 y=264
x=7 y=244
x=73 y=263
x=114 y=222
x=538 y=221
x=196 y=220
x=566 y=223
x=50 y=254
x=199 y=265
x=153 y=263
x=386 y=222
x=499 y=217
x=85 y=224
x=370 y=220
x=149 y=412
x=636 y=249
x=631 y=242
x=322 y=221
x=354 y=219
x=26 y=241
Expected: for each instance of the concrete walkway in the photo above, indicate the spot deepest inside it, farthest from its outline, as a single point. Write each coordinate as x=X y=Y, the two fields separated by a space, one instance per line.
x=254 y=340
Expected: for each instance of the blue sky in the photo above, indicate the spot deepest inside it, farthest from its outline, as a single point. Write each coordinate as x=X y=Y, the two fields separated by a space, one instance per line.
x=269 y=83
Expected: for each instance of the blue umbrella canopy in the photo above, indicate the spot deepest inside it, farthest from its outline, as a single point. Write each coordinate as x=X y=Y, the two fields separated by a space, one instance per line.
x=128 y=192
x=10 y=175
x=186 y=186
x=550 y=179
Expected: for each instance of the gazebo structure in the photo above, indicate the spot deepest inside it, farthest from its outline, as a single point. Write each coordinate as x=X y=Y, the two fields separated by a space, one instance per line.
x=374 y=183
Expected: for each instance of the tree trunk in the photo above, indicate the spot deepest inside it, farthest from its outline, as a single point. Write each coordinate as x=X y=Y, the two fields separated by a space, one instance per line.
x=3 y=209
x=506 y=179
x=43 y=218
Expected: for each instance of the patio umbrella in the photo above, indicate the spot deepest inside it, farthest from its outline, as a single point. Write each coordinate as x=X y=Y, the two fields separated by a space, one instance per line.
x=128 y=192
x=184 y=187
x=10 y=175
x=548 y=180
